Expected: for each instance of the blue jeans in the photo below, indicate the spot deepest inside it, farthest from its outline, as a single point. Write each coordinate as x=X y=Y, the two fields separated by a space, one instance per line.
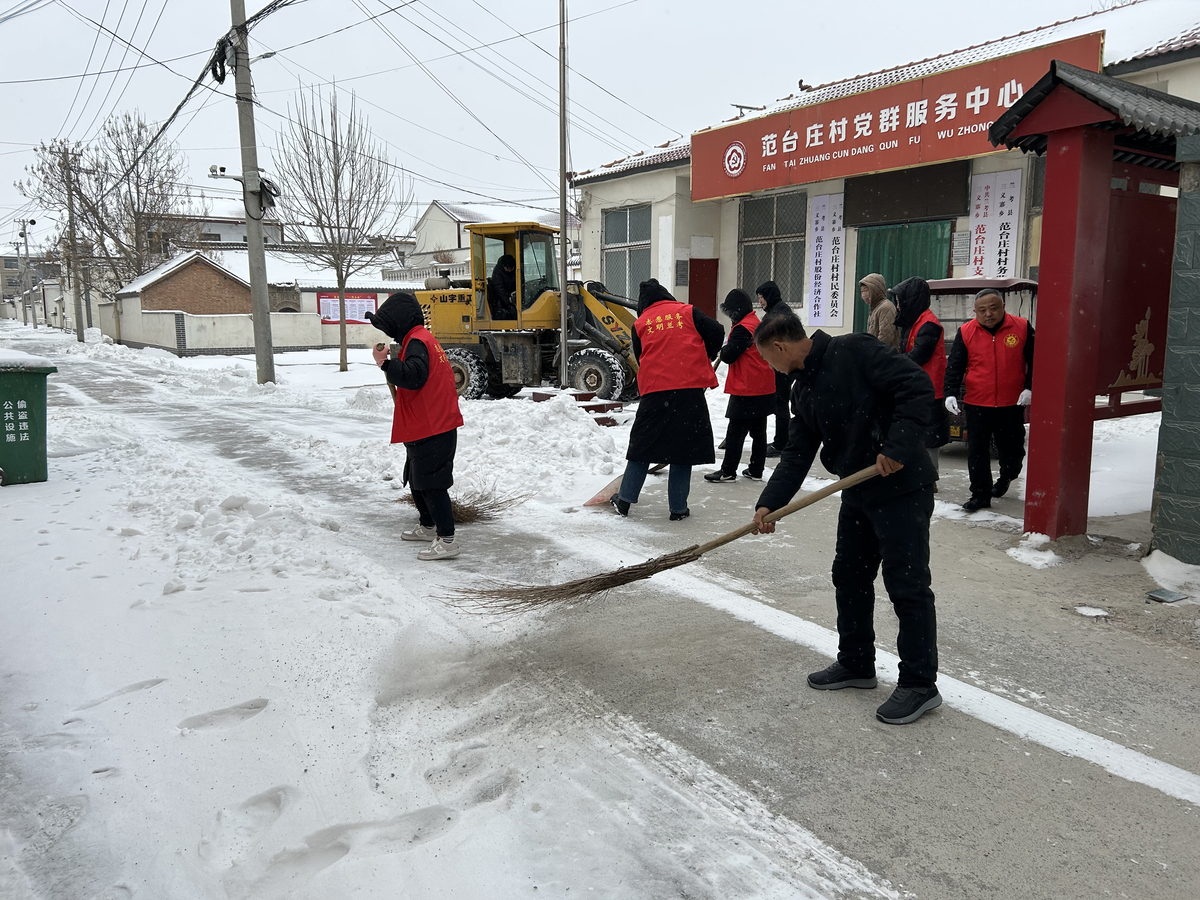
x=679 y=484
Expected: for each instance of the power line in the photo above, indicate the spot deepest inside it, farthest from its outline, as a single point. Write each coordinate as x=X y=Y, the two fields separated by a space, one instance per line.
x=128 y=80
x=602 y=137
x=111 y=43
x=82 y=75
x=572 y=70
x=87 y=65
x=506 y=82
x=454 y=97
x=124 y=56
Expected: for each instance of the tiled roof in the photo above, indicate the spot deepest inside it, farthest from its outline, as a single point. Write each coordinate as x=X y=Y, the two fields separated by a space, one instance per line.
x=1185 y=41
x=1159 y=118
x=1133 y=29
x=162 y=271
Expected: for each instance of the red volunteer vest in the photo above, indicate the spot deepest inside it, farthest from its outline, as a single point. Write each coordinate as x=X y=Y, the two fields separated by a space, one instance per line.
x=432 y=408
x=995 y=363
x=673 y=356
x=935 y=366
x=750 y=376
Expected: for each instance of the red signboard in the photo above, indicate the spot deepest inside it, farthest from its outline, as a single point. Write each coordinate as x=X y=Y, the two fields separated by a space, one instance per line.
x=938 y=118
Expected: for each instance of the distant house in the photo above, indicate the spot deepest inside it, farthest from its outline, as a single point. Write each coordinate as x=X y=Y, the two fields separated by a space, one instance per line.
x=193 y=305
x=440 y=231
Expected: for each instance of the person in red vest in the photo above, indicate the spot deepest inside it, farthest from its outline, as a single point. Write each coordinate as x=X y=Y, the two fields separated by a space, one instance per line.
x=426 y=420
x=674 y=344
x=992 y=359
x=750 y=385
x=922 y=340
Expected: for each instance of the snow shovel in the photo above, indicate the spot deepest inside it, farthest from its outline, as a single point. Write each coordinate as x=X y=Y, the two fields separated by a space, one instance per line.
x=605 y=494
x=526 y=598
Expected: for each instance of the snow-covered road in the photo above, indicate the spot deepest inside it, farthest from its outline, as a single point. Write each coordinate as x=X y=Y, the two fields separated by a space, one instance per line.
x=223 y=675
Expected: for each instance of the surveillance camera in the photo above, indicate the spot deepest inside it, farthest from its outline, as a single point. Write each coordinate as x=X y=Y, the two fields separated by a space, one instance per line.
x=222 y=170
x=32 y=222
x=212 y=170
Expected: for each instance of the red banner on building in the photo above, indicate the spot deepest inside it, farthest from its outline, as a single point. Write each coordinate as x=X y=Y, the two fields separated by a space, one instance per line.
x=938 y=118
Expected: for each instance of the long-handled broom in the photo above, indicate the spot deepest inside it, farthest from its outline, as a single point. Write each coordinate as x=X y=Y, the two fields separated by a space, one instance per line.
x=516 y=599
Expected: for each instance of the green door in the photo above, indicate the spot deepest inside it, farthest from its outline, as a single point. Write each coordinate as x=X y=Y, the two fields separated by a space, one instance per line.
x=897 y=252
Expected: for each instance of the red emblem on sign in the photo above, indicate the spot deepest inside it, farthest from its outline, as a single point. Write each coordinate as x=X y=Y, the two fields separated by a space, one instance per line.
x=735 y=159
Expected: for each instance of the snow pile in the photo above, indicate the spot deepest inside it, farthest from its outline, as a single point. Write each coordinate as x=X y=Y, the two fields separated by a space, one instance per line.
x=515 y=443
x=18 y=359
x=944 y=510
x=1093 y=612
x=1027 y=552
x=1172 y=574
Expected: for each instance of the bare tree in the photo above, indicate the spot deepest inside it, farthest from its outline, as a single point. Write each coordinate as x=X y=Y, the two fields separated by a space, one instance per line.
x=335 y=176
x=442 y=255
x=132 y=204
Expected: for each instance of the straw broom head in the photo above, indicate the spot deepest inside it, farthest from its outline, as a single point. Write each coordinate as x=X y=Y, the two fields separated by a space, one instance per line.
x=508 y=599
x=512 y=599
x=478 y=505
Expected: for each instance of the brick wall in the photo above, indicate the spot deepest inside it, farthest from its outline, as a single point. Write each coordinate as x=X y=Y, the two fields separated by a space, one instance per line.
x=200 y=289
x=1176 y=512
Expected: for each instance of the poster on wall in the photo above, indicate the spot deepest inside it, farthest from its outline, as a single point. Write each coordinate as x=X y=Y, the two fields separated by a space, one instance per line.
x=357 y=307
x=995 y=224
x=826 y=255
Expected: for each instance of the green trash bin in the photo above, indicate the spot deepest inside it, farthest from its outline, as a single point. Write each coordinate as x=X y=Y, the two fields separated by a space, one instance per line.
x=23 y=417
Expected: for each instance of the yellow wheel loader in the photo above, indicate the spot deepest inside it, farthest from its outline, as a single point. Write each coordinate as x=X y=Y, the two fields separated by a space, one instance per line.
x=499 y=356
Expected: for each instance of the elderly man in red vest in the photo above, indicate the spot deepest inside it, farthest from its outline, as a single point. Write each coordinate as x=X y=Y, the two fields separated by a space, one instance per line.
x=674 y=343
x=426 y=420
x=991 y=362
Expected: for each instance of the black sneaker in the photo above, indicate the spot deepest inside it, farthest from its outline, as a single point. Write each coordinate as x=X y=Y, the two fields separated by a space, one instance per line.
x=675 y=517
x=721 y=446
x=772 y=451
x=977 y=503
x=837 y=676
x=908 y=704
x=621 y=506
x=720 y=476
x=1000 y=488
x=746 y=473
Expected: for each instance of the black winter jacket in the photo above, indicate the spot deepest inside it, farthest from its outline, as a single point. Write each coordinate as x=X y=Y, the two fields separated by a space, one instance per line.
x=854 y=399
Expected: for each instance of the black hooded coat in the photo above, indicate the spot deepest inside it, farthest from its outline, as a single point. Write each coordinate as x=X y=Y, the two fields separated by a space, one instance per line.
x=771 y=295
x=912 y=299
x=501 y=288
x=430 y=463
x=738 y=305
x=674 y=426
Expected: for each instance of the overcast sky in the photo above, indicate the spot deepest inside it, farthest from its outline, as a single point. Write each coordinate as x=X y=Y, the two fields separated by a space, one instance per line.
x=644 y=71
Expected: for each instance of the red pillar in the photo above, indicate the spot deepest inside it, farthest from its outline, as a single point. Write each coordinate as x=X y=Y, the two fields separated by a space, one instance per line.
x=1070 y=296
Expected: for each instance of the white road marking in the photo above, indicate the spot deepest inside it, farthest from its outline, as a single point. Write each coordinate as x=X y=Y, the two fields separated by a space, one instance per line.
x=983 y=705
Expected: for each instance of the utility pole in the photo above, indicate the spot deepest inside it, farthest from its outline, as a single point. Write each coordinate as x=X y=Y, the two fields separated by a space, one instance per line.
x=27 y=300
x=71 y=273
x=562 y=191
x=260 y=304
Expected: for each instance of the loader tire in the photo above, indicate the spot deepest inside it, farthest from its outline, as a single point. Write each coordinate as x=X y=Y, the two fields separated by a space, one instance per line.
x=596 y=371
x=497 y=388
x=470 y=374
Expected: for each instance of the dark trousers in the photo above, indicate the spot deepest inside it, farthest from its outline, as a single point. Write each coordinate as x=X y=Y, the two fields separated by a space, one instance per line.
x=435 y=509
x=894 y=532
x=735 y=438
x=1007 y=425
x=783 y=413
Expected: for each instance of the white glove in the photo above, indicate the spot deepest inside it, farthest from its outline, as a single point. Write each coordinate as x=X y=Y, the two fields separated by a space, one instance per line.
x=1025 y=398
x=952 y=405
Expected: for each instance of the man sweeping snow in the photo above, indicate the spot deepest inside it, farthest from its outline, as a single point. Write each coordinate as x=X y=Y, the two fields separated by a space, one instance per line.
x=863 y=404
x=426 y=419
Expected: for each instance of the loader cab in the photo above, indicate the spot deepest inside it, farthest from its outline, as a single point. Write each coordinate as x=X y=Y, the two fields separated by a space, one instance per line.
x=532 y=246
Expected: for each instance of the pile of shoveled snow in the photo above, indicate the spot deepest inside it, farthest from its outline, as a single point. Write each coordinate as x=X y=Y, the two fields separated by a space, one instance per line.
x=505 y=446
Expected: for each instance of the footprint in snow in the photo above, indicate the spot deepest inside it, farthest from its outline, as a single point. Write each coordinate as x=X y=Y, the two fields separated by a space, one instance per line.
x=289 y=869
x=224 y=718
x=238 y=829
x=128 y=689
